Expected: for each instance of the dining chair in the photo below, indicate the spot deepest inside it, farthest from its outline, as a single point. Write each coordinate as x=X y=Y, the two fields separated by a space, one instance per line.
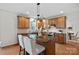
x=31 y=47
x=21 y=44
x=75 y=36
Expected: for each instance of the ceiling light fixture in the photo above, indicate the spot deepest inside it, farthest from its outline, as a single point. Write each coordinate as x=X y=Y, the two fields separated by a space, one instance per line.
x=38 y=11
x=27 y=12
x=61 y=12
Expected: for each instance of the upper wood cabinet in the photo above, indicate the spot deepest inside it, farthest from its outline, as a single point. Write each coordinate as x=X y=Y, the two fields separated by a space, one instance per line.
x=23 y=22
x=52 y=21
x=60 y=22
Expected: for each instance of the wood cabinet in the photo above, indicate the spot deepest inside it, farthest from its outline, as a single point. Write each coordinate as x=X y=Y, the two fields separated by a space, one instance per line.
x=59 y=22
x=23 y=22
x=60 y=38
x=49 y=46
x=52 y=21
x=48 y=43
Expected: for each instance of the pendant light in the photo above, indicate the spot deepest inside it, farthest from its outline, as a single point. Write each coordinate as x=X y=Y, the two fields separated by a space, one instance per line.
x=38 y=11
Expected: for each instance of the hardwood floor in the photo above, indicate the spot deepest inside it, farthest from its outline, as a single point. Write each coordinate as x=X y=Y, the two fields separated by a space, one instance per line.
x=71 y=48
x=67 y=49
x=10 y=50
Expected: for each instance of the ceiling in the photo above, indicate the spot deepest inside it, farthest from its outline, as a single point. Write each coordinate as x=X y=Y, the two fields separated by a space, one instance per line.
x=46 y=9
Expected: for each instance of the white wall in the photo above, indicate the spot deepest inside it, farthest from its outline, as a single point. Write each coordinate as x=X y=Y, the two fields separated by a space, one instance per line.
x=8 y=20
x=73 y=19
x=8 y=28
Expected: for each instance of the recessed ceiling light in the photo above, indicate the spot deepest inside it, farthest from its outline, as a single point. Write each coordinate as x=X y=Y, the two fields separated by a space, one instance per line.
x=61 y=12
x=27 y=12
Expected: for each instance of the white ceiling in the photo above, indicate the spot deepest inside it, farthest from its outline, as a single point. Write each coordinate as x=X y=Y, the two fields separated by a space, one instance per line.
x=46 y=9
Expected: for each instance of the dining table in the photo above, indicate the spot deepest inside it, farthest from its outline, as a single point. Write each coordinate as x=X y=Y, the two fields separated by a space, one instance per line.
x=46 y=40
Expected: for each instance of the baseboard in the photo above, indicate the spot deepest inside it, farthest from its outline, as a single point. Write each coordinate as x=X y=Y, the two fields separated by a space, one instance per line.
x=9 y=45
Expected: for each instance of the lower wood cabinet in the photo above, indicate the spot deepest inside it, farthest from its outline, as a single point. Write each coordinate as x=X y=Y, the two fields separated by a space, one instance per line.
x=60 y=38
x=49 y=46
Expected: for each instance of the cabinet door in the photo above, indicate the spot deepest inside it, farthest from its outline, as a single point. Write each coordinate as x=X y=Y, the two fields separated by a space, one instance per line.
x=52 y=21
x=50 y=47
x=26 y=23
x=23 y=22
x=60 y=38
x=20 y=22
x=61 y=22
x=49 y=22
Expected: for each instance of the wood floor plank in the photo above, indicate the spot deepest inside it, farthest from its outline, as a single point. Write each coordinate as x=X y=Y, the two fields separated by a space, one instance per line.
x=71 y=48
